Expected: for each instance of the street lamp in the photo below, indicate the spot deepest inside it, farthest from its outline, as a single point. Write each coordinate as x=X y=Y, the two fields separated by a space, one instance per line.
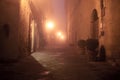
x=60 y=36
x=50 y=25
x=59 y=33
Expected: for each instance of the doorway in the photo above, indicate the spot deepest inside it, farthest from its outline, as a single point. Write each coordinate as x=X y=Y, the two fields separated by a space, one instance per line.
x=31 y=36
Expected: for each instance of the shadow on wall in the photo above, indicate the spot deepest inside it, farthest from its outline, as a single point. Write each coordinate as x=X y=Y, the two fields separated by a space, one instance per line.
x=102 y=53
x=4 y=35
x=6 y=30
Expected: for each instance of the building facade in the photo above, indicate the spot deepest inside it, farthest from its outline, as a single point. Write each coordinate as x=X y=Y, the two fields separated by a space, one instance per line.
x=18 y=27
x=97 y=19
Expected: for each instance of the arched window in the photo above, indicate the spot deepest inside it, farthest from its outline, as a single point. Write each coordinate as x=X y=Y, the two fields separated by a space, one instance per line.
x=94 y=24
x=94 y=15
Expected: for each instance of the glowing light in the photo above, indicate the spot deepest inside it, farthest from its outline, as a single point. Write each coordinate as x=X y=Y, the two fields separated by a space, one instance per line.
x=60 y=36
x=50 y=25
x=59 y=33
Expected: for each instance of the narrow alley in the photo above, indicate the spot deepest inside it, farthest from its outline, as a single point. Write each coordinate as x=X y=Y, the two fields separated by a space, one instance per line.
x=59 y=40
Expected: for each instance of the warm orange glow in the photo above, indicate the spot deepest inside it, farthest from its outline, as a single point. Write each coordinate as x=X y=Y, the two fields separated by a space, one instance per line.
x=32 y=34
x=50 y=25
x=60 y=36
x=59 y=33
x=101 y=25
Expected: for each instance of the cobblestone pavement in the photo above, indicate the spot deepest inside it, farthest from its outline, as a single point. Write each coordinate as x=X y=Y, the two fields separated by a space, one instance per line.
x=70 y=64
x=58 y=64
x=25 y=69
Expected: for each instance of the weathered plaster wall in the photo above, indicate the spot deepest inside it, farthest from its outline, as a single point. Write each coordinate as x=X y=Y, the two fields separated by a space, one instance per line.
x=24 y=27
x=112 y=28
x=79 y=20
x=15 y=13
x=9 y=14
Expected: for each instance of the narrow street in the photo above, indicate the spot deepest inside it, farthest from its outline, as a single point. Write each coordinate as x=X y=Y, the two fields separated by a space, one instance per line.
x=59 y=40
x=58 y=64
x=70 y=64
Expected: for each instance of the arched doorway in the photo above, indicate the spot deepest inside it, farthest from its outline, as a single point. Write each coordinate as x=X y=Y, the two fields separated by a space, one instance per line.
x=94 y=29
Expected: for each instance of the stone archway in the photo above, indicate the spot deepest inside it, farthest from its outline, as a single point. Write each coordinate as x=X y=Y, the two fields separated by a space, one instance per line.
x=94 y=29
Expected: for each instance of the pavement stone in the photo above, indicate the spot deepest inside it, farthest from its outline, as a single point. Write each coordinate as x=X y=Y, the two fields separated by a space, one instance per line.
x=25 y=69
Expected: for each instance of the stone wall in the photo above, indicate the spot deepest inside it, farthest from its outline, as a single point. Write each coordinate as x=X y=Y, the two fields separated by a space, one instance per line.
x=24 y=27
x=79 y=18
x=14 y=37
x=79 y=23
x=9 y=14
x=112 y=27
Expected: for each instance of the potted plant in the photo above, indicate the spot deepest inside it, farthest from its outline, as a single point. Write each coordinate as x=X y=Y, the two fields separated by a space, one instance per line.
x=92 y=46
x=82 y=45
